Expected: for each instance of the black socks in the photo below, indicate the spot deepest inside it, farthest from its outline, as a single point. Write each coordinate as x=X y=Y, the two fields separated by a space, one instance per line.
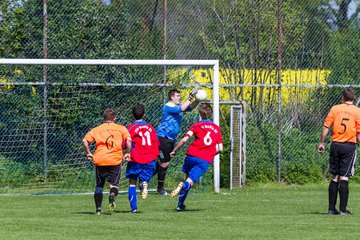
x=333 y=191
x=161 y=177
x=344 y=194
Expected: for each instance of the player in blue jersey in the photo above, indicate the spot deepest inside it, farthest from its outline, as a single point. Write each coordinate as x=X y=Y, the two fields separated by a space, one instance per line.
x=200 y=154
x=169 y=127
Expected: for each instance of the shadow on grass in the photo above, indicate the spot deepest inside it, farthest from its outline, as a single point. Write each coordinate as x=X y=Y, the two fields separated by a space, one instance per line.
x=318 y=213
x=187 y=210
x=104 y=213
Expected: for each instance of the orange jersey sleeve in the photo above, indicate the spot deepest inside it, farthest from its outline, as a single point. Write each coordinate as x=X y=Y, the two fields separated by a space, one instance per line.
x=345 y=120
x=108 y=138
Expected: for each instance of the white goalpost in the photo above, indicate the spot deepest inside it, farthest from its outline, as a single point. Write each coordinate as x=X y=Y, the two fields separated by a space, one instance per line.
x=47 y=63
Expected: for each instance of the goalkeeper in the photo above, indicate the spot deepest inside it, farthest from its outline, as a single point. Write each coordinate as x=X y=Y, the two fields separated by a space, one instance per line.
x=144 y=152
x=167 y=130
x=200 y=154
x=107 y=156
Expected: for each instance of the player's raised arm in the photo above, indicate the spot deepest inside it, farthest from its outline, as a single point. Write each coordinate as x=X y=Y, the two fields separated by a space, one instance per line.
x=188 y=102
x=194 y=104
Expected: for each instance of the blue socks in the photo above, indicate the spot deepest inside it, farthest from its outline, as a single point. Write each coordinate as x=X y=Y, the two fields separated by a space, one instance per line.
x=187 y=185
x=132 y=197
x=183 y=193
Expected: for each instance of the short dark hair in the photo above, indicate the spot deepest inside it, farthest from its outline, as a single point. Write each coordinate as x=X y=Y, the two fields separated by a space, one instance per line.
x=205 y=110
x=172 y=92
x=109 y=114
x=138 y=111
x=348 y=94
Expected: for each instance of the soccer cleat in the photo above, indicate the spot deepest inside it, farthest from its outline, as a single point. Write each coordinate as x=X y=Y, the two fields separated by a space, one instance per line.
x=112 y=207
x=177 y=189
x=98 y=211
x=144 y=192
x=180 y=208
x=112 y=204
x=162 y=192
x=333 y=212
x=346 y=212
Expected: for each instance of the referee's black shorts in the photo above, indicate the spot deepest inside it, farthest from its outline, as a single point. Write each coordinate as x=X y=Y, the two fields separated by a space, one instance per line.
x=165 y=148
x=342 y=159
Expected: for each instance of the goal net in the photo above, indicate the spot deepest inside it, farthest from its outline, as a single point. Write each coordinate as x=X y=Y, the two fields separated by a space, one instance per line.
x=48 y=105
x=238 y=146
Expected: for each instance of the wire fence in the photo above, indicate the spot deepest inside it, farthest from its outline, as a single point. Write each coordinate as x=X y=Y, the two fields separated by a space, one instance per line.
x=308 y=49
x=42 y=123
x=282 y=138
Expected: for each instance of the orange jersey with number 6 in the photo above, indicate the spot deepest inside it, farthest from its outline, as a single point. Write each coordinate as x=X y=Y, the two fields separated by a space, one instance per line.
x=108 y=138
x=345 y=119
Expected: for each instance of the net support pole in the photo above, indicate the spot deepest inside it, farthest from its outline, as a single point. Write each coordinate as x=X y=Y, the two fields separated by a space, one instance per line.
x=279 y=69
x=216 y=108
x=45 y=91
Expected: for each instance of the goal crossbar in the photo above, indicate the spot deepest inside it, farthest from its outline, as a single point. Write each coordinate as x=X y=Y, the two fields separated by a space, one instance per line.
x=109 y=62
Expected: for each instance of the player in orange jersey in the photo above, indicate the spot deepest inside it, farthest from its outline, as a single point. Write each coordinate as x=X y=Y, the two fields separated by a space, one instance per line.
x=108 y=156
x=345 y=120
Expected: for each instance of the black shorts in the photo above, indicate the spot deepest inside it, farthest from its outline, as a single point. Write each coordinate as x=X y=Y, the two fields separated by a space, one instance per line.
x=342 y=159
x=109 y=173
x=165 y=148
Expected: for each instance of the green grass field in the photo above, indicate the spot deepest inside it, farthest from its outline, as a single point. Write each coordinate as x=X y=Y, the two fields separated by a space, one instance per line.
x=257 y=212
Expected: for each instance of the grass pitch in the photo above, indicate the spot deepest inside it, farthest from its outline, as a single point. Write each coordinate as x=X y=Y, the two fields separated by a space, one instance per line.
x=257 y=212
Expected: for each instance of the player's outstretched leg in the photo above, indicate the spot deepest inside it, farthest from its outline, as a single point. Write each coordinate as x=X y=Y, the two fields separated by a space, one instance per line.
x=177 y=190
x=144 y=191
x=183 y=194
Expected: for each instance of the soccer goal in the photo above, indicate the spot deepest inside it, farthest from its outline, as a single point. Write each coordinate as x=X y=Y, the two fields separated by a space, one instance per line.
x=238 y=146
x=47 y=105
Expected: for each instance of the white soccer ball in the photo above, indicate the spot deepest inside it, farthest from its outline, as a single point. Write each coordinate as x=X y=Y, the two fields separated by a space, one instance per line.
x=200 y=95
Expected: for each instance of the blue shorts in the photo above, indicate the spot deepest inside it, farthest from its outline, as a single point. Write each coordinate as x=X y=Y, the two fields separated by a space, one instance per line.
x=142 y=171
x=195 y=167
